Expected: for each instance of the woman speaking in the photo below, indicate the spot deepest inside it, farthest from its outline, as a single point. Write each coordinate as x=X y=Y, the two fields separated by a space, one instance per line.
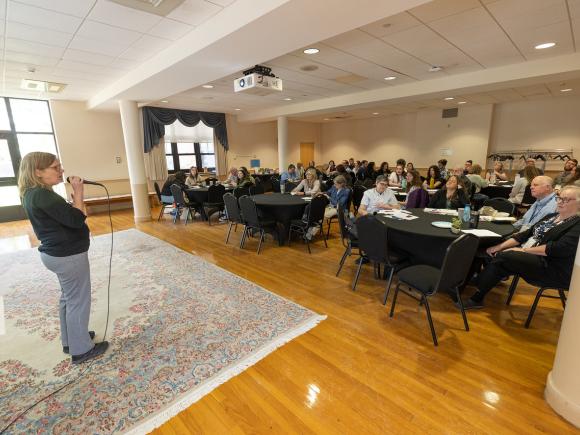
x=64 y=238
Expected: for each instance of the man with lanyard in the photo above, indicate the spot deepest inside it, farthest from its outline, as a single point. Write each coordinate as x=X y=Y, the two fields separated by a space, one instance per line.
x=379 y=198
x=545 y=204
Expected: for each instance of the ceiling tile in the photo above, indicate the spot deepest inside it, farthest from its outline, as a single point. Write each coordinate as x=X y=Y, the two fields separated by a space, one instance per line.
x=36 y=34
x=194 y=12
x=42 y=18
x=145 y=48
x=33 y=48
x=442 y=8
x=78 y=8
x=87 y=57
x=30 y=59
x=104 y=32
x=117 y=15
x=222 y=3
x=389 y=25
x=107 y=48
x=574 y=8
x=170 y=29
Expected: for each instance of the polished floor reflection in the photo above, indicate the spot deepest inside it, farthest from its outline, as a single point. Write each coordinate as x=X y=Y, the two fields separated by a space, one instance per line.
x=360 y=371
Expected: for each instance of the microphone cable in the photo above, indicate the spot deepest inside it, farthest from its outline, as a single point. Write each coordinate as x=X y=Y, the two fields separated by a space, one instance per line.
x=90 y=364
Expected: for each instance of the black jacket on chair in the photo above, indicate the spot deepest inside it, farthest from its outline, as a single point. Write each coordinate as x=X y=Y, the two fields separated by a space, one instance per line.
x=561 y=244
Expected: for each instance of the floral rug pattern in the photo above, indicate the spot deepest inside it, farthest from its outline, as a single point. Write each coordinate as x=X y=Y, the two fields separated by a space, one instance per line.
x=179 y=326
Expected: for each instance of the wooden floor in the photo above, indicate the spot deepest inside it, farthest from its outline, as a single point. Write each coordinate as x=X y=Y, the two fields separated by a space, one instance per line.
x=360 y=372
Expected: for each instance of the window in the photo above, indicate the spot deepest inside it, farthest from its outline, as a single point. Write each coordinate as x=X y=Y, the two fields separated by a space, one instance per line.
x=189 y=146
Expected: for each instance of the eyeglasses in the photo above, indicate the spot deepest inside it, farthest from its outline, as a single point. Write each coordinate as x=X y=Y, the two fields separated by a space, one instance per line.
x=564 y=200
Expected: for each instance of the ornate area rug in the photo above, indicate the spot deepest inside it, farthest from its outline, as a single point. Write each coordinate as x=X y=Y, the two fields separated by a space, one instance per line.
x=179 y=327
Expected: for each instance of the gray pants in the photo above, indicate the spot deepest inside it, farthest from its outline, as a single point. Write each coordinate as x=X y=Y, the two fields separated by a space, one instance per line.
x=74 y=275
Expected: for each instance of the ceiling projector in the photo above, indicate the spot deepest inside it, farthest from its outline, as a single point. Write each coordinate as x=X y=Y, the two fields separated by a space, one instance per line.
x=258 y=80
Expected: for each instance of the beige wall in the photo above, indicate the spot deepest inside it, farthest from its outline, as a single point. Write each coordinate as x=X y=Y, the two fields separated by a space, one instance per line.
x=421 y=138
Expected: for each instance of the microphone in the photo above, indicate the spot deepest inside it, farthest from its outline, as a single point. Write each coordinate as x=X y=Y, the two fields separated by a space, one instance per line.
x=94 y=183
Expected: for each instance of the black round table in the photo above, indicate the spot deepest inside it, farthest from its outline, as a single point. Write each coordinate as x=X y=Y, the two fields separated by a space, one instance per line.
x=282 y=207
x=199 y=195
x=425 y=244
x=497 y=191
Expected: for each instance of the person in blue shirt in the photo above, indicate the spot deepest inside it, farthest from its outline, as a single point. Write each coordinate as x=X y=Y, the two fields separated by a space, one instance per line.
x=290 y=175
x=337 y=194
x=545 y=204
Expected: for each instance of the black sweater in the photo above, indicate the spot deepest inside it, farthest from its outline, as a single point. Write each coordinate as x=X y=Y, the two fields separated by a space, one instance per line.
x=60 y=227
x=439 y=200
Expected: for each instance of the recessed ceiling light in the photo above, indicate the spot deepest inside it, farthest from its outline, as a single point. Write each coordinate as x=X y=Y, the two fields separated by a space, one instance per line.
x=435 y=68
x=238 y=109
x=462 y=102
x=375 y=113
x=545 y=45
x=164 y=101
x=390 y=78
x=207 y=86
x=287 y=99
x=566 y=90
x=311 y=51
x=449 y=98
x=327 y=119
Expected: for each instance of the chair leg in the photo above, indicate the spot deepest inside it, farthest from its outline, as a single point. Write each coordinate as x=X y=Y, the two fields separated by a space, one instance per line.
x=388 y=289
x=357 y=274
x=229 y=231
x=243 y=239
x=161 y=213
x=261 y=240
x=562 y=298
x=325 y=238
x=186 y=216
x=463 y=314
x=433 y=334
x=308 y=246
x=512 y=289
x=394 y=301
x=289 y=236
x=342 y=260
x=534 y=306
x=176 y=215
x=328 y=230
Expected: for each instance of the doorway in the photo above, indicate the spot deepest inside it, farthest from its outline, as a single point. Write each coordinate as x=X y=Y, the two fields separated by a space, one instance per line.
x=306 y=152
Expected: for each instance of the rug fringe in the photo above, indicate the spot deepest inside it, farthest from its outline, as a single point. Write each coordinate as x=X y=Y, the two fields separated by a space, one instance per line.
x=222 y=377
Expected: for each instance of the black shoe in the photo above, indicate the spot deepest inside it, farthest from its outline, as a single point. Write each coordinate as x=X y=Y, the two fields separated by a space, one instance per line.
x=363 y=260
x=91 y=334
x=470 y=304
x=99 y=349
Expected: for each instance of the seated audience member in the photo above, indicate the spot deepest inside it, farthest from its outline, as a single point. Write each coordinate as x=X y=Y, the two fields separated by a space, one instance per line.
x=337 y=194
x=498 y=172
x=312 y=165
x=351 y=163
x=442 y=165
x=244 y=178
x=300 y=170
x=433 y=180
x=410 y=167
x=232 y=177
x=331 y=167
x=177 y=178
x=467 y=166
x=341 y=170
x=289 y=175
x=451 y=196
x=384 y=169
x=401 y=162
x=193 y=178
x=362 y=170
x=569 y=168
x=574 y=179
x=309 y=186
x=474 y=176
x=544 y=253
x=396 y=178
x=379 y=198
x=519 y=188
x=417 y=196
x=530 y=162
x=370 y=172
x=464 y=182
x=541 y=189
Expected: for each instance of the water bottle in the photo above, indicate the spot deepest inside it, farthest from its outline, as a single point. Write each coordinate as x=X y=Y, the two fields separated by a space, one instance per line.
x=282 y=186
x=404 y=184
x=466 y=213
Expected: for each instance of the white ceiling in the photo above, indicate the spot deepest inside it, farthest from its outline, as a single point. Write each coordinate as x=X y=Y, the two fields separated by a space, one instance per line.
x=92 y=45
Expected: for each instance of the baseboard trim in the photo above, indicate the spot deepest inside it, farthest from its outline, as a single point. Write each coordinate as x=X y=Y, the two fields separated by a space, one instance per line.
x=560 y=403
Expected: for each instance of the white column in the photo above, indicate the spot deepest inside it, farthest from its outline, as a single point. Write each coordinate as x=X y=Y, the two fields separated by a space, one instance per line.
x=563 y=384
x=134 y=149
x=282 y=143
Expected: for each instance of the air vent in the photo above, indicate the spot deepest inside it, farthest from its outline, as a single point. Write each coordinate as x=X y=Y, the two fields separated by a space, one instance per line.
x=42 y=86
x=309 y=68
x=157 y=7
x=350 y=79
x=450 y=113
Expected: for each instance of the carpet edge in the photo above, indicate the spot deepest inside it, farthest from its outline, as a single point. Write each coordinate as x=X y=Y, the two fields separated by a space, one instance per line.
x=221 y=378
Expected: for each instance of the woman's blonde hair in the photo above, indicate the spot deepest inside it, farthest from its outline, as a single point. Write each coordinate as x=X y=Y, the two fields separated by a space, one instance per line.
x=27 y=178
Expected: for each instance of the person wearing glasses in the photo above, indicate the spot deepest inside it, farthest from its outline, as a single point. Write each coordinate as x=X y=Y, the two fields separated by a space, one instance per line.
x=541 y=189
x=543 y=253
x=64 y=246
x=379 y=198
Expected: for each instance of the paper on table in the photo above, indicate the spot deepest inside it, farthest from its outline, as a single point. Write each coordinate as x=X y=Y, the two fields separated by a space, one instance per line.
x=441 y=211
x=481 y=233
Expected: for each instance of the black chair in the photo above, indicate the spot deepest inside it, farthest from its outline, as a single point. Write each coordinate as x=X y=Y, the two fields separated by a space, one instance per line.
x=540 y=294
x=258 y=189
x=528 y=199
x=347 y=235
x=357 y=194
x=210 y=180
x=275 y=185
x=181 y=203
x=347 y=209
x=373 y=243
x=428 y=280
x=315 y=219
x=215 y=201
x=501 y=204
x=267 y=186
x=289 y=186
x=241 y=191
x=164 y=204
x=253 y=222
x=233 y=214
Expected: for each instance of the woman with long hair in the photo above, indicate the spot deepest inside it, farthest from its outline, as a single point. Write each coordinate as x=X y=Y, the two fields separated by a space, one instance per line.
x=433 y=180
x=193 y=178
x=417 y=196
x=244 y=178
x=309 y=186
x=384 y=169
x=452 y=196
x=64 y=245
x=519 y=188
